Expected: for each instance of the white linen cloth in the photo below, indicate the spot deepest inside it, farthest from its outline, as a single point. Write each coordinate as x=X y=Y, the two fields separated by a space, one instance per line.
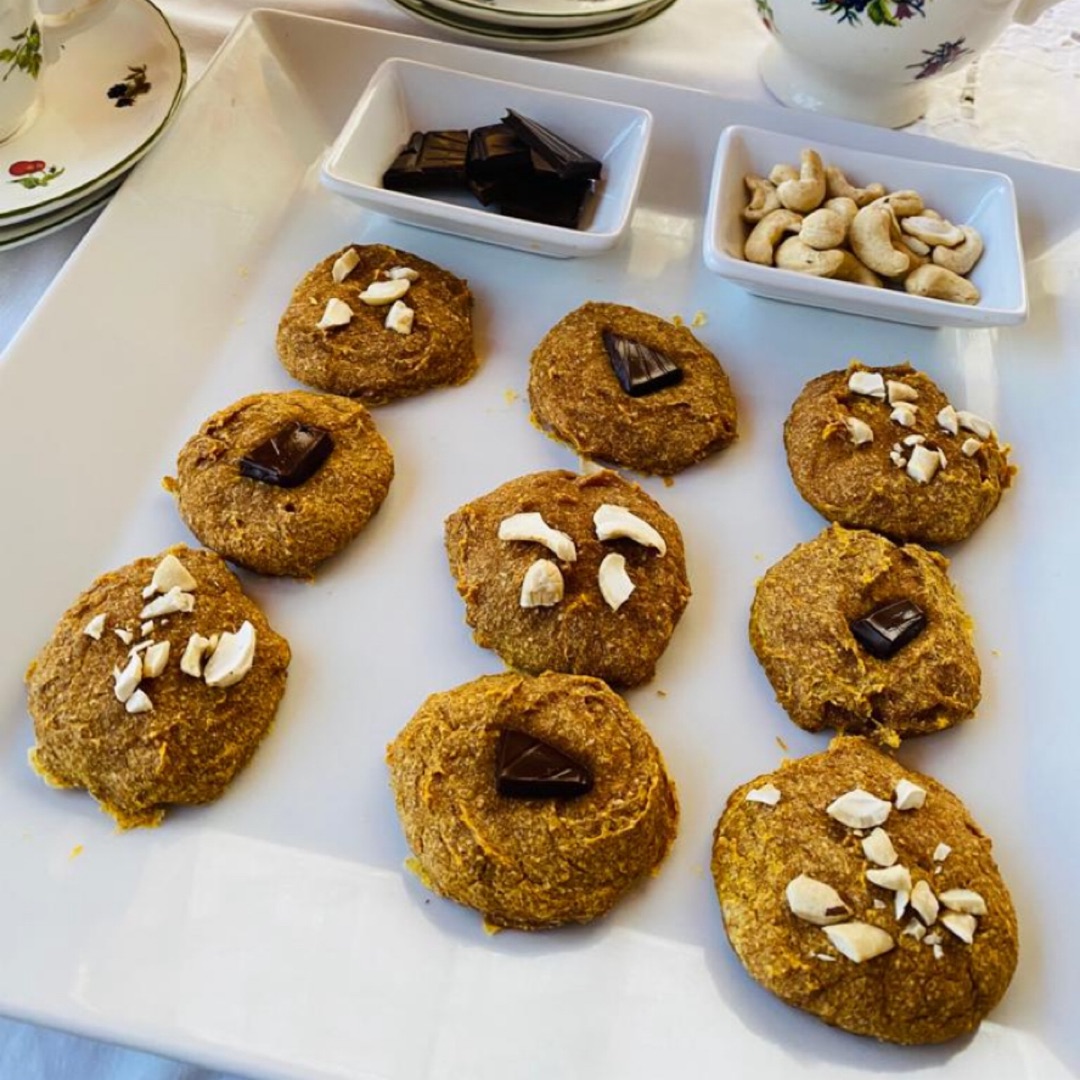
x=1020 y=99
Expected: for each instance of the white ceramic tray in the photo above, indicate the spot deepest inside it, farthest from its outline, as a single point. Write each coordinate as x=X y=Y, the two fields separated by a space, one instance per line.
x=276 y=933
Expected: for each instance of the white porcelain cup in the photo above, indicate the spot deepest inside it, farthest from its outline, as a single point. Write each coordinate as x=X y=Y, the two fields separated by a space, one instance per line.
x=29 y=42
x=871 y=60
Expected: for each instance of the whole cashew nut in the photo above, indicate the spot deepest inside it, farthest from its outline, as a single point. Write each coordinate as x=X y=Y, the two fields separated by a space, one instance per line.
x=845 y=207
x=763 y=198
x=932 y=231
x=808 y=192
x=795 y=255
x=913 y=243
x=872 y=241
x=853 y=270
x=823 y=229
x=940 y=284
x=964 y=256
x=779 y=173
x=838 y=186
x=902 y=203
x=766 y=234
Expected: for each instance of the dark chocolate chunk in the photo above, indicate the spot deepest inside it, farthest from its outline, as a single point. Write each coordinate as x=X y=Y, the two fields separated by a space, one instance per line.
x=528 y=768
x=430 y=159
x=640 y=369
x=560 y=204
x=290 y=456
x=566 y=159
x=884 y=632
x=495 y=153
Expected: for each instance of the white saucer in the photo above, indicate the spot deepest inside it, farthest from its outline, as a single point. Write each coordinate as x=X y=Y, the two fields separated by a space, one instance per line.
x=532 y=14
x=464 y=28
x=83 y=139
x=38 y=228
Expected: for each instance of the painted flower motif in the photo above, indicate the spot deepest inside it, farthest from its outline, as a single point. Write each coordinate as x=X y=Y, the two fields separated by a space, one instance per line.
x=879 y=12
x=123 y=94
x=25 y=55
x=936 y=60
x=33 y=174
x=765 y=13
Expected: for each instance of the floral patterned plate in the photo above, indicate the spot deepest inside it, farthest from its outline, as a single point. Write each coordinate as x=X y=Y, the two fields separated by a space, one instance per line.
x=107 y=101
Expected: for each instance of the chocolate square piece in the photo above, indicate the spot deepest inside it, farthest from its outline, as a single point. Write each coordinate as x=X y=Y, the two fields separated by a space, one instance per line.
x=496 y=153
x=640 y=369
x=430 y=159
x=529 y=768
x=884 y=632
x=290 y=456
x=566 y=159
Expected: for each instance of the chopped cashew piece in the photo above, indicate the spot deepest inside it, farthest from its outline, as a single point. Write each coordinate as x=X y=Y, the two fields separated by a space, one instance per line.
x=157 y=656
x=895 y=878
x=614 y=581
x=908 y=796
x=900 y=903
x=400 y=318
x=192 y=661
x=815 y=901
x=532 y=526
x=914 y=929
x=344 y=265
x=168 y=573
x=859 y=941
x=125 y=635
x=769 y=794
x=337 y=313
x=380 y=293
x=878 y=848
x=941 y=852
x=925 y=902
x=95 y=627
x=139 y=703
x=947 y=420
x=970 y=447
x=858 y=809
x=542 y=585
x=914 y=440
x=232 y=658
x=923 y=464
x=960 y=924
x=402 y=273
x=174 y=600
x=127 y=681
x=859 y=430
x=615 y=522
x=965 y=900
x=970 y=422
x=904 y=414
x=867 y=383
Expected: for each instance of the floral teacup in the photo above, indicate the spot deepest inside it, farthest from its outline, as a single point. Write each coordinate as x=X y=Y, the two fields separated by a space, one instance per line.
x=23 y=56
x=870 y=60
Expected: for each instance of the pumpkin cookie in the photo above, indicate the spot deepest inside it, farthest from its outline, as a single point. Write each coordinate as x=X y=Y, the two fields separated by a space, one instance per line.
x=536 y=801
x=865 y=894
x=626 y=387
x=560 y=572
x=862 y=635
x=156 y=687
x=882 y=449
x=378 y=324
x=280 y=482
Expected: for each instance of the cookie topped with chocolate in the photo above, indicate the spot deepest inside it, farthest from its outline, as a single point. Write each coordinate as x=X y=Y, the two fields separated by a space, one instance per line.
x=622 y=386
x=378 y=324
x=883 y=449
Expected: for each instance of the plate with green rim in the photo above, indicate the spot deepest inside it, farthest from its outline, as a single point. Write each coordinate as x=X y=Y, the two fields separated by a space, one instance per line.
x=567 y=14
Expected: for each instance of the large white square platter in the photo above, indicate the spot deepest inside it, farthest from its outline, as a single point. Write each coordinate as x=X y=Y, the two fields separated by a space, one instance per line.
x=276 y=933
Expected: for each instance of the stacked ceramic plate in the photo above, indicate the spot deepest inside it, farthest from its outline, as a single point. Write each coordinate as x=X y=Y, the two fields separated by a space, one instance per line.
x=106 y=102
x=535 y=25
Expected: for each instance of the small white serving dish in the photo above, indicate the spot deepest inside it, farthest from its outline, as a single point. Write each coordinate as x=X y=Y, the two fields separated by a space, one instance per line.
x=404 y=96
x=982 y=199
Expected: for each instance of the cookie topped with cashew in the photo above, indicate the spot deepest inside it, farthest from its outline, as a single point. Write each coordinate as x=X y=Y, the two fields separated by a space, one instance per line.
x=580 y=574
x=884 y=449
x=814 y=219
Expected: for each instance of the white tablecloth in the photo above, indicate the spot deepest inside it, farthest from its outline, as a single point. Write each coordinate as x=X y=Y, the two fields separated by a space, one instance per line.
x=1021 y=98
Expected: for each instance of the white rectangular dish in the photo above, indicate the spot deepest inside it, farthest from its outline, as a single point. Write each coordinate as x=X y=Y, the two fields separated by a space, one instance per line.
x=980 y=198
x=276 y=933
x=404 y=97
